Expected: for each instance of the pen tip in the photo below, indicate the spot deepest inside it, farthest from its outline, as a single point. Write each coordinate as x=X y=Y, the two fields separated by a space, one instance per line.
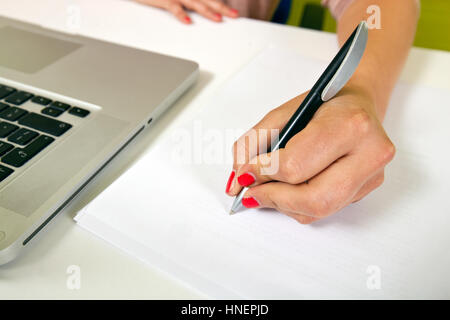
x=232 y=212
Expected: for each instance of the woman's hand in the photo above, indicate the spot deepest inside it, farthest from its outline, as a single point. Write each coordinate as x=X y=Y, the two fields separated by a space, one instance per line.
x=337 y=159
x=211 y=9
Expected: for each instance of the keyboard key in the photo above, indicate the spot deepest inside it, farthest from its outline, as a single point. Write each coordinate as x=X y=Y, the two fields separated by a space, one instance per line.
x=60 y=105
x=7 y=128
x=3 y=106
x=38 y=145
x=22 y=136
x=41 y=100
x=5 y=91
x=16 y=158
x=5 y=147
x=19 y=97
x=19 y=156
x=79 y=112
x=5 y=172
x=45 y=124
x=12 y=113
x=51 y=111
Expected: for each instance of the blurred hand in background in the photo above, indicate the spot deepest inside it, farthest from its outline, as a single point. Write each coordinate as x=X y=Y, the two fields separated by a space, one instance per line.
x=211 y=9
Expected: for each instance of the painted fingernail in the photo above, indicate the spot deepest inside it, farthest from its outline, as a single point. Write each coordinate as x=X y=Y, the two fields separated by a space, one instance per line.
x=217 y=16
x=246 y=179
x=234 y=12
x=187 y=19
x=250 y=202
x=230 y=181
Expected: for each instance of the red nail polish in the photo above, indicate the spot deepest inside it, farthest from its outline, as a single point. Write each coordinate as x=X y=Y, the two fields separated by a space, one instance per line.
x=230 y=181
x=187 y=19
x=218 y=16
x=246 y=179
x=234 y=12
x=250 y=202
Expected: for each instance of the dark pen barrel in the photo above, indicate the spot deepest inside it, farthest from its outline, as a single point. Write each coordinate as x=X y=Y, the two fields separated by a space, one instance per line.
x=313 y=100
x=300 y=118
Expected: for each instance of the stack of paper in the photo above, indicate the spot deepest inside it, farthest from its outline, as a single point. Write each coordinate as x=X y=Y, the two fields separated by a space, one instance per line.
x=170 y=209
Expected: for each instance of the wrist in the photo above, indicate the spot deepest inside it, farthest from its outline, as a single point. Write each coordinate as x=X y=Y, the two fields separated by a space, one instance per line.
x=365 y=86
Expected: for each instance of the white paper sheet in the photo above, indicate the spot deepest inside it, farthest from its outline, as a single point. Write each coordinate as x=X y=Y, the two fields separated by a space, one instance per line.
x=393 y=244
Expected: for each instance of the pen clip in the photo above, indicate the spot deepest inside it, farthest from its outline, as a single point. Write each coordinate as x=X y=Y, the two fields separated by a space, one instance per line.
x=349 y=64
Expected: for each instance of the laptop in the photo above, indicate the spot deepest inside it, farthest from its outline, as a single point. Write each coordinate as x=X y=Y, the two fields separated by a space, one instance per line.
x=68 y=105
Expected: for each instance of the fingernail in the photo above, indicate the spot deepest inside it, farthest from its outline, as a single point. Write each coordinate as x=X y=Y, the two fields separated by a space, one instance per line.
x=218 y=16
x=246 y=179
x=250 y=202
x=234 y=12
x=230 y=181
x=187 y=19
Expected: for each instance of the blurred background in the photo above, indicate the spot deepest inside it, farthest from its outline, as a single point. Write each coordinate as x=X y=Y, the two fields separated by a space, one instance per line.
x=433 y=29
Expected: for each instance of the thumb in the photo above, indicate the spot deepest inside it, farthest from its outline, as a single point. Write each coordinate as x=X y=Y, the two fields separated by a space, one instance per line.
x=258 y=139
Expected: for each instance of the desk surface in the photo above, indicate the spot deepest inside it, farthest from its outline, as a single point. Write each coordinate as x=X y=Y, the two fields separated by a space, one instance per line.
x=221 y=50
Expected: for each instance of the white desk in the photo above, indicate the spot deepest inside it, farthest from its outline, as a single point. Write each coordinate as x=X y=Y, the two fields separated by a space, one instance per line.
x=221 y=50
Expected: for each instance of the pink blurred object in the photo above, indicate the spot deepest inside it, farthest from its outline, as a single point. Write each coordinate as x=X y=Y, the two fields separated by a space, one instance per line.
x=255 y=9
x=337 y=7
x=263 y=9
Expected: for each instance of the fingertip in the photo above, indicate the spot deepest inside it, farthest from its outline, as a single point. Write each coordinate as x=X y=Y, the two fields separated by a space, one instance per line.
x=186 y=20
x=230 y=181
x=234 y=189
x=217 y=17
x=246 y=179
x=253 y=198
x=234 y=13
x=304 y=220
x=231 y=13
x=250 y=202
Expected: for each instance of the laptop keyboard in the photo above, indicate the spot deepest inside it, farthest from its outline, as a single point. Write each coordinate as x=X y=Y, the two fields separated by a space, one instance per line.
x=23 y=133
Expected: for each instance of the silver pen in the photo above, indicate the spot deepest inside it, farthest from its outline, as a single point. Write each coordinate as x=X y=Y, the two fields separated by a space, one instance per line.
x=335 y=76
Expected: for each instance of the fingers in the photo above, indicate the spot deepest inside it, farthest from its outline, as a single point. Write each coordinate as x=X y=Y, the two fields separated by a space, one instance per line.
x=221 y=8
x=306 y=154
x=328 y=137
x=177 y=10
x=211 y=9
x=369 y=186
x=278 y=189
x=323 y=195
x=173 y=7
x=281 y=196
x=337 y=159
x=203 y=9
x=301 y=218
x=246 y=147
x=258 y=139
x=324 y=140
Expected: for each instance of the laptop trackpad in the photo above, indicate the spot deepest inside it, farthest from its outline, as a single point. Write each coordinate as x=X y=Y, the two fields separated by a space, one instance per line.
x=30 y=52
x=45 y=178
